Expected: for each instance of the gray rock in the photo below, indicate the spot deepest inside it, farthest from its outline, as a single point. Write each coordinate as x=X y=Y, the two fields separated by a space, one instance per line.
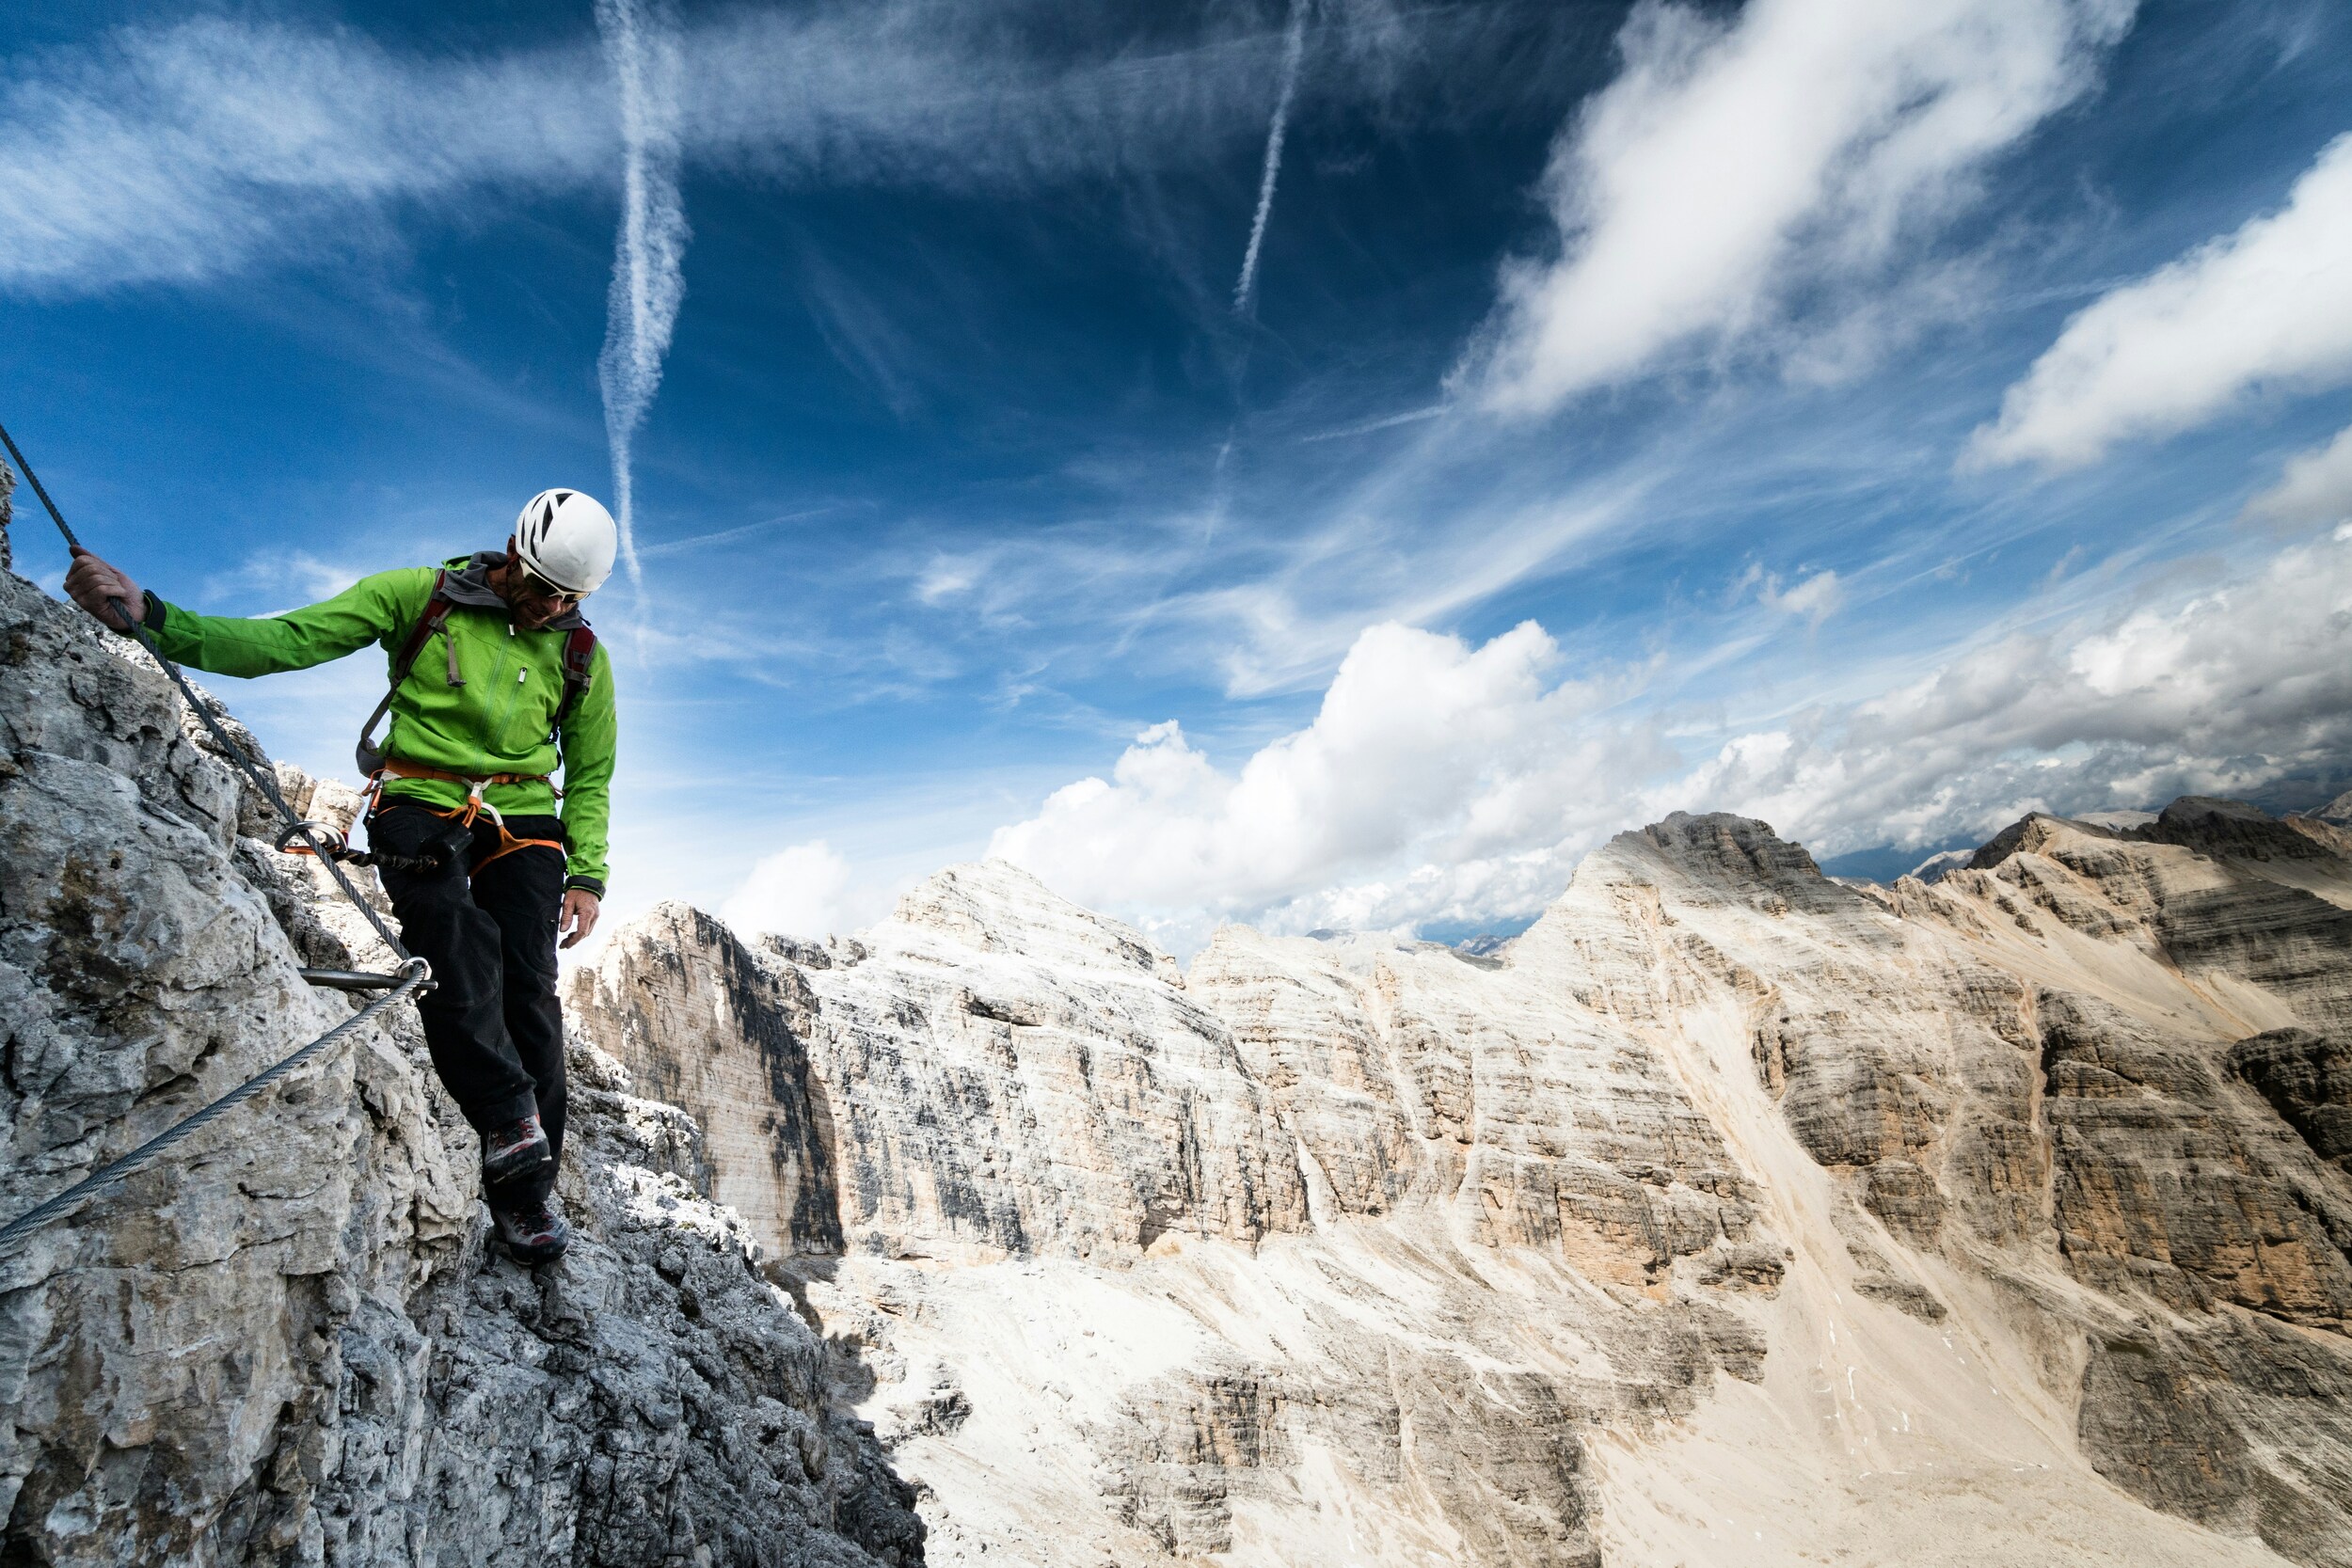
x=288 y=1342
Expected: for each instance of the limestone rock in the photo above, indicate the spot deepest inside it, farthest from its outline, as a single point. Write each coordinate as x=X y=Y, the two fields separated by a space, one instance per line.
x=2306 y=1078
x=286 y=1342
x=1724 y=1192
x=1728 y=1213
x=707 y=1023
x=1115 y=1107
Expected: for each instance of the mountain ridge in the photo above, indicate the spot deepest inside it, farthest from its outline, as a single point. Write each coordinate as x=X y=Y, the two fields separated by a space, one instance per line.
x=1724 y=1106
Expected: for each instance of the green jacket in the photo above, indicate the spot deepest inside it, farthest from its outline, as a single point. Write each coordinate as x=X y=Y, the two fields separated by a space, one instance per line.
x=496 y=721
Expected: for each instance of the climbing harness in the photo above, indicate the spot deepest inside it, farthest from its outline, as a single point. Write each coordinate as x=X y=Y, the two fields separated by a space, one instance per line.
x=317 y=839
x=579 y=652
x=467 y=814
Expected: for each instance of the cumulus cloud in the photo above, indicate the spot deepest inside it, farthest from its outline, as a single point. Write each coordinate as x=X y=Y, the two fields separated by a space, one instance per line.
x=2267 y=307
x=2221 y=691
x=1813 y=597
x=800 y=892
x=1442 y=781
x=1421 y=740
x=1737 y=159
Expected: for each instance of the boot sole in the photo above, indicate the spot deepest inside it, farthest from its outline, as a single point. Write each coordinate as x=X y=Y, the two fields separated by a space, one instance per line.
x=537 y=1256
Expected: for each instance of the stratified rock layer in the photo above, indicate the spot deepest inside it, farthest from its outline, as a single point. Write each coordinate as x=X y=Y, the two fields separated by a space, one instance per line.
x=1728 y=1215
x=286 y=1343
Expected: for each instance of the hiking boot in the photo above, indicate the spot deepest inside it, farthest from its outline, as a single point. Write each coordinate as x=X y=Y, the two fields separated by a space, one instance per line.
x=534 y=1231
x=513 y=1151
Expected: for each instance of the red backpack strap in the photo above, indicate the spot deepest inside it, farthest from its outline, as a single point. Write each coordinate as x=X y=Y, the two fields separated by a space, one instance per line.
x=436 y=615
x=435 y=612
x=579 y=658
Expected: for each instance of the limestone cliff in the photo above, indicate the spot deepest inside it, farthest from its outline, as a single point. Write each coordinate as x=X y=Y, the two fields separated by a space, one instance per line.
x=286 y=1342
x=1730 y=1214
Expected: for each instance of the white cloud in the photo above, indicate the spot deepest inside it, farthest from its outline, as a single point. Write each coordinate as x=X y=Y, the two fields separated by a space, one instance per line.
x=798 y=892
x=183 y=153
x=648 y=255
x=1734 y=159
x=1444 y=782
x=2315 y=487
x=946 y=576
x=1421 y=740
x=1814 y=599
x=290 y=578
x=2267 y=307
x=1294 y=49
x=2220 y=692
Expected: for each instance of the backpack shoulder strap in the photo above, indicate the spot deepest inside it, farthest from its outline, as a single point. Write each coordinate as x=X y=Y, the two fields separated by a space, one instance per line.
x=435 y=612
x=435 y=615
x=580 y=656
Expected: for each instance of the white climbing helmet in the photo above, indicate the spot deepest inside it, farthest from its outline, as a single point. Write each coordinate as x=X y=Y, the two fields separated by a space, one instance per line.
x=565 y=538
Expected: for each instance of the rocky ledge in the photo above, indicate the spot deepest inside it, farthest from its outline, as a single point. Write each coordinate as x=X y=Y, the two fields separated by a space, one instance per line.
x=287 y=1343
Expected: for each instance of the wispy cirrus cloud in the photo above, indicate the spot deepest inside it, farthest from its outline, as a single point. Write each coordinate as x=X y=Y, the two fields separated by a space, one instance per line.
x=1293 y=52
x=648 y=255
x=1739 y=160
x=185 y=152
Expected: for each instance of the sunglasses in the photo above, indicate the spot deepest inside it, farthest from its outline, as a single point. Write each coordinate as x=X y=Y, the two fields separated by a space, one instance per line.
x=531 y=585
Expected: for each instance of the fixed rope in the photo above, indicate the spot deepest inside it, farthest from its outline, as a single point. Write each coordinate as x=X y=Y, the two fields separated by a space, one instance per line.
x=412 y=975
x=262 y=781
x=415 y=973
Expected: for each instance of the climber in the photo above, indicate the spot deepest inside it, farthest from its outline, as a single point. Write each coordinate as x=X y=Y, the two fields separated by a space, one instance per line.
x=482 y=875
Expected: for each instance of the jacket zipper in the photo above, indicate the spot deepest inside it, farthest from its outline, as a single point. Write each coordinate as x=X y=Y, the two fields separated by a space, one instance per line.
x=506 y=710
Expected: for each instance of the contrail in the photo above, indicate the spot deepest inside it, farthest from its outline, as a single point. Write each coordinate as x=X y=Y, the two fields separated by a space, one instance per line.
x=1294 y=49
x=640 y=41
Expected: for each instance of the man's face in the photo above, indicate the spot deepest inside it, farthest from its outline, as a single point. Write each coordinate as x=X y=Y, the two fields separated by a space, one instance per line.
x=532 y=602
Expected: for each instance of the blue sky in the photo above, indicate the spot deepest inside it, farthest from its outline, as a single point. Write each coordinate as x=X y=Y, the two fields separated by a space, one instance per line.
x=1879 y=419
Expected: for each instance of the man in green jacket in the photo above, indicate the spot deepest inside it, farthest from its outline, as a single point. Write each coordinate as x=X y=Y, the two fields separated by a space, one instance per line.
x=494 y=678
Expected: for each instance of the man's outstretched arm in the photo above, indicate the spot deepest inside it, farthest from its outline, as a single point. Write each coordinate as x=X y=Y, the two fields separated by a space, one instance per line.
x=373 y=609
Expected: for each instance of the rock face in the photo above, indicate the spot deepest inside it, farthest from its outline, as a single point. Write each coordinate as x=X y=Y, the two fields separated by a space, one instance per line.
x=285 y=1344
x=1730 y=1214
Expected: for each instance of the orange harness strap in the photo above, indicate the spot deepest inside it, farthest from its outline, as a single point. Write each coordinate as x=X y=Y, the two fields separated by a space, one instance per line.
x=475 y=805
x=508 y=844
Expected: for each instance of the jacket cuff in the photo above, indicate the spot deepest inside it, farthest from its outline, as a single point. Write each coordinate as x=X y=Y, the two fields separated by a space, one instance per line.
x=151 y=613
x=586 y=885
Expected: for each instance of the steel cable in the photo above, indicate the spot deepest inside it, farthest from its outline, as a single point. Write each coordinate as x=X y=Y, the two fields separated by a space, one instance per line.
x=262 y=781
x=415 y=972
x=412 y=975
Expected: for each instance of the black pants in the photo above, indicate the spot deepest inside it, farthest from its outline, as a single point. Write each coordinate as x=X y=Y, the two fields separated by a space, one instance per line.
x=492 y=1018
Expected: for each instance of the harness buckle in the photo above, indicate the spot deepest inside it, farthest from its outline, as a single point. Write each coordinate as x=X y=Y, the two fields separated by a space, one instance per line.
x=476 y=805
